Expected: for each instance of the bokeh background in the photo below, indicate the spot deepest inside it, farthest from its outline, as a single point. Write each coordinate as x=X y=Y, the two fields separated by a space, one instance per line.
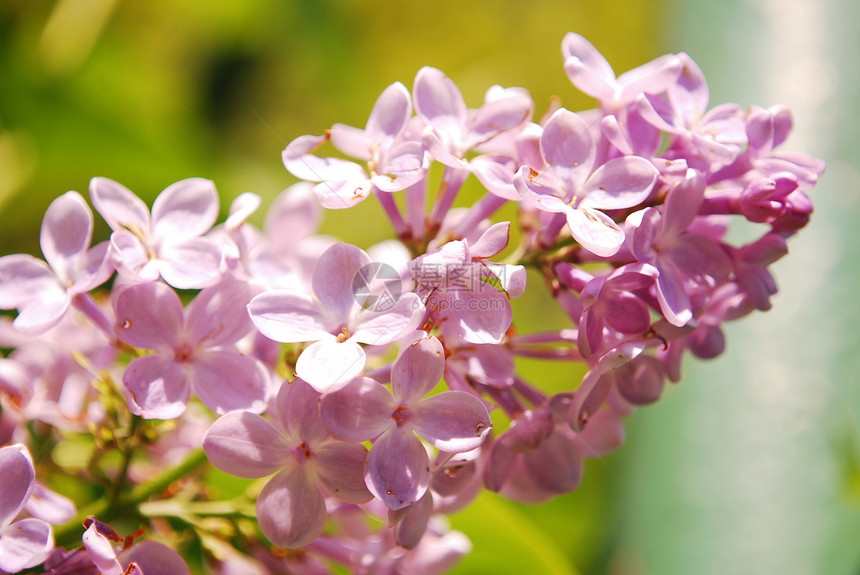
x=751 y=465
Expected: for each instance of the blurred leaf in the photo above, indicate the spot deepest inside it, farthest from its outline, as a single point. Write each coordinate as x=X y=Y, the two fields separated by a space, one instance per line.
x=506 y=541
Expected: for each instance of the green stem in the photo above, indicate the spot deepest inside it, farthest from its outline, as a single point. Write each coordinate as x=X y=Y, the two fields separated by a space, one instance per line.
x=106 y=510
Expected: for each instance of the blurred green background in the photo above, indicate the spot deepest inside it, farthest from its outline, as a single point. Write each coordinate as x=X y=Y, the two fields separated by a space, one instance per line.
x=751 y=465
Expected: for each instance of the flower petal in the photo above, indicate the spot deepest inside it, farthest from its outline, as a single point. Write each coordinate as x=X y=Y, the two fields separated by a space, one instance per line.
x=568 y=148
x=23 y=278
x=24 y=544
x=120 y=208
x=360 y=411
x=620 y=183
x=18 y=477
x=333 y=280
x=184 y=210
x=340 y=468
x=192 y=264
x=398 y=469
x=587 y=69
x=329 y=364
x=291 y=509
x=453 y=421
x=417 y=369
x=101 y=551
x=157 y=387
x=381 y=328
x=138 y=326
x=245 y=445
x=154 y=558
x=438 y=100
x=226 y=380
x=288 y=317
x=218 y=315
x=67 y=230
x=390 y=114
x=596 y=231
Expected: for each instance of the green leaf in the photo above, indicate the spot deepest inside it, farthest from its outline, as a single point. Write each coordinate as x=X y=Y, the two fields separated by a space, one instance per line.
x=505 y=540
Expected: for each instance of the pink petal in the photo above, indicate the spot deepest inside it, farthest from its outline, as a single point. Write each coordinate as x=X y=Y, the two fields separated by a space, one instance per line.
x=689 y=96
x=153 y=558
x=132 y=257
x=328 y=364
x=218 y=315
x=291 y=509
x=641 y=381
x=340 y=469
x=138 y=326
x=499 y=115
x=568 y=148
x=410 y=529
x=226 y=380
x=101 y=551
x=23 y=278
x=682 y=204
x=674 y=301
x=492 y=241
x=556 y=467
x=246 y=445
x=383 y=327
x=651 y=78
x=298 y=408
x=192 y=264
x=398 y=469
x=294 y=215
x=627 y=314
x=300 y=162
x=587 y=68
x=119 y=207
x=390 y=114
x=403 y=166
x=438 y=100
x=157 y=387
x=620 y=183
x=496 y=174
x=333 y=280
x=417 y=369
x=67 y=230
x=18 y=477
x=39 y=315
x=453 y=421
x=360 y=411
x=343 y=193
x=596 y=231
x=288 y=317
x=185 y=210
x=24 y=544
x=352 y=141
x=94 y=269
x=480 y=316
x=49 y=506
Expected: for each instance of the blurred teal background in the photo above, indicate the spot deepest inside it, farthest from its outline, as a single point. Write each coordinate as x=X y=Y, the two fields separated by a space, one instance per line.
x=751 y=465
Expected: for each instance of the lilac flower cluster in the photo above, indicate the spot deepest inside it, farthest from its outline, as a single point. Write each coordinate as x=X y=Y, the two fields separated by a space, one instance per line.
x=371 y=392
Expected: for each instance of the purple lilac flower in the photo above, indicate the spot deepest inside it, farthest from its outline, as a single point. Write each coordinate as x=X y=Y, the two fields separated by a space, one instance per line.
x=590 y=72
x=169 y=243
x=334 y=319
x=398 y=467
x=43 y=292
x=193 y=350
x=291 y=508
x=26 y=542
x=568 y=182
